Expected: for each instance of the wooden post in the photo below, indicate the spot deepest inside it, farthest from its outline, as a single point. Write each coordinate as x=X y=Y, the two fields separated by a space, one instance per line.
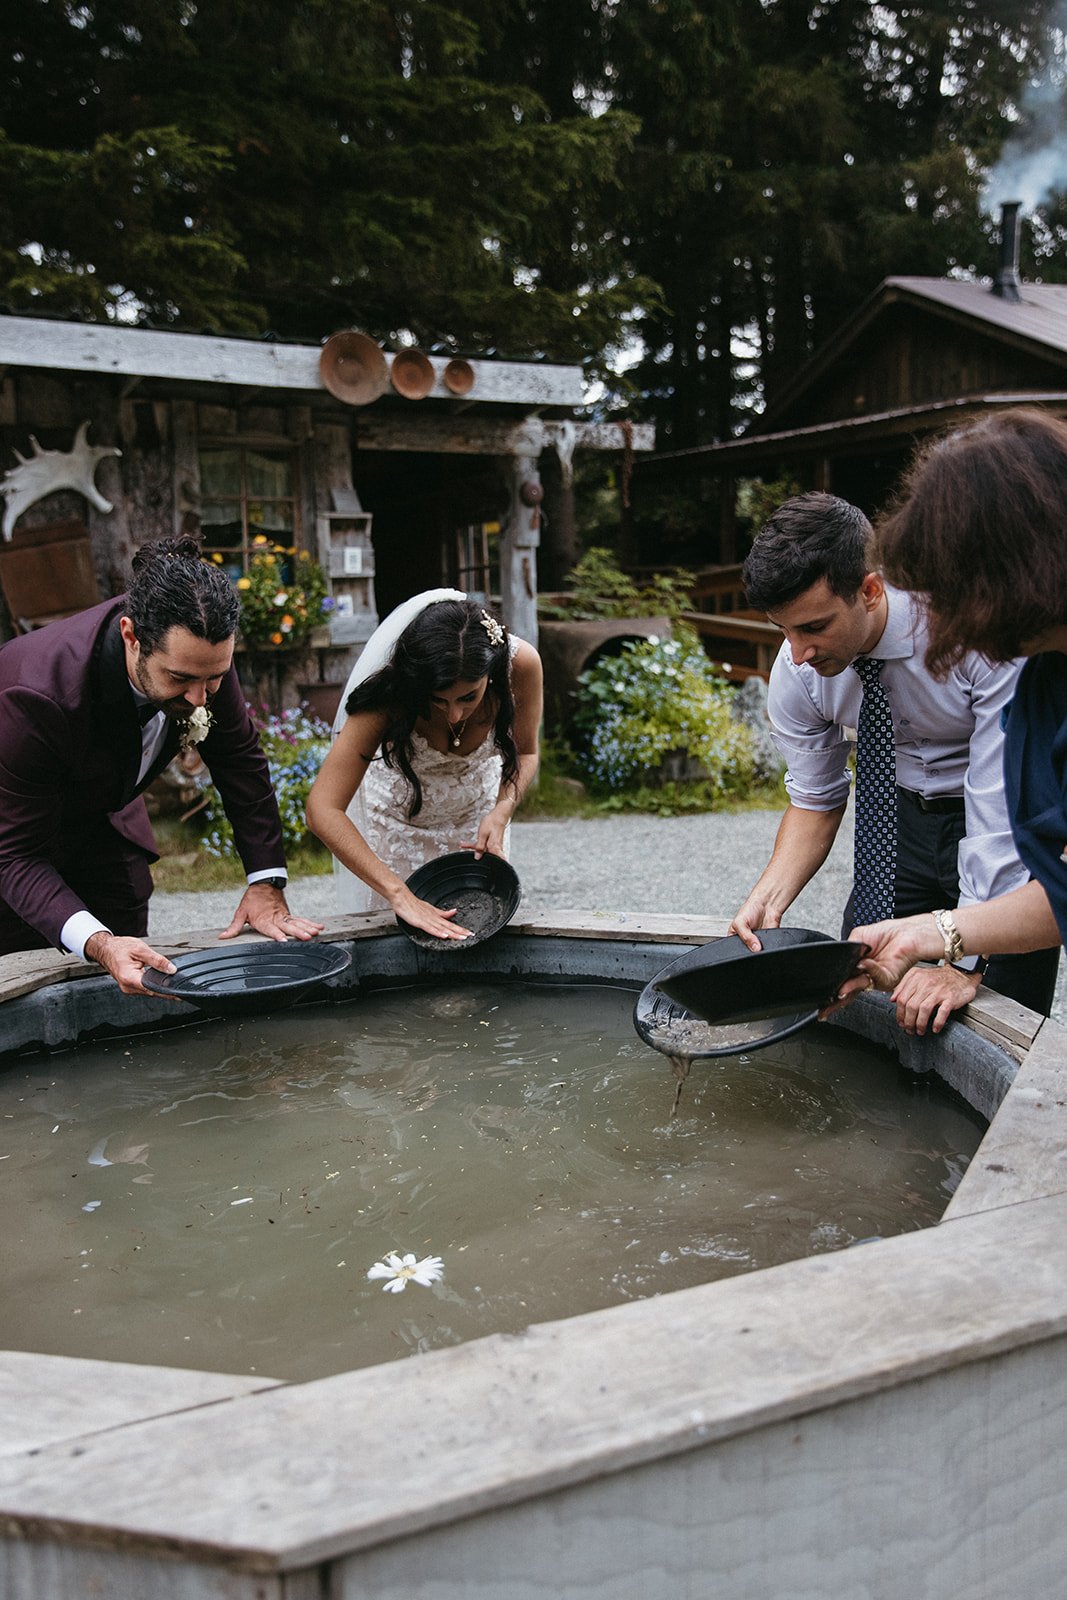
x=727 y=520
x=521 y=537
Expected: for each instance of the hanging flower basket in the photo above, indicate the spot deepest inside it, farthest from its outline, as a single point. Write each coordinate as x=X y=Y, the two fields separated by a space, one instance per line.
x=283 y=598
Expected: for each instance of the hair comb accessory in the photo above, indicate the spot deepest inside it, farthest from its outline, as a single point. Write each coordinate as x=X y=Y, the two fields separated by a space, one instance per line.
x=492 y=628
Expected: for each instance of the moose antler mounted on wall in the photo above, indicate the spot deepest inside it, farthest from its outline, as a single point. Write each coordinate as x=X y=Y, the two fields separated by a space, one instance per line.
x=48 y=470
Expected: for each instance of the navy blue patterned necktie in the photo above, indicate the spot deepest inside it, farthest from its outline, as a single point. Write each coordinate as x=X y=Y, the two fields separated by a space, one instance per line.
x=876 y=800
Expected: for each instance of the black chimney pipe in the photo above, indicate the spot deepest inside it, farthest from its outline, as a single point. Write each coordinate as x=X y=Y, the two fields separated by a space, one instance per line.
x=1006 y=281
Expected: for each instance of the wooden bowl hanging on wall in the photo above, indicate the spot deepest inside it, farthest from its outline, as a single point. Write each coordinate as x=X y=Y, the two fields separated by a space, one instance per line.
x=459 y=376
x=412 y=374
x=353 y=367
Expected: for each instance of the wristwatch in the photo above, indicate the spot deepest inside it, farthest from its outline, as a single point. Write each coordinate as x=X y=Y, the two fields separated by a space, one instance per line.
x=274 y=883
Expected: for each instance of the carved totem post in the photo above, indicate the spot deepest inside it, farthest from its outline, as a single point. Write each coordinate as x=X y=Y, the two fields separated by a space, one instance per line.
x=522 y=534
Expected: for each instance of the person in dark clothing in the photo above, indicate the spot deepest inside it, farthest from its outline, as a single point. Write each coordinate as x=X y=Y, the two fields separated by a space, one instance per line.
x=92 y=707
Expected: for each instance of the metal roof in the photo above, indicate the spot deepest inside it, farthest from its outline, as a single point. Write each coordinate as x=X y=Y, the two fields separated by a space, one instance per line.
x=820 y=436
x=1040 y=317
x=1037 y=323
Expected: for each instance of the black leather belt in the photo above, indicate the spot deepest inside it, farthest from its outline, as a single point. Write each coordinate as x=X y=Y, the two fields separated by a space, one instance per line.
x=941 y=802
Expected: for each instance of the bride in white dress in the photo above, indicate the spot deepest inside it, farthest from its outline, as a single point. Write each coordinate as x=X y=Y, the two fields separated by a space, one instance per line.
x=434 y=745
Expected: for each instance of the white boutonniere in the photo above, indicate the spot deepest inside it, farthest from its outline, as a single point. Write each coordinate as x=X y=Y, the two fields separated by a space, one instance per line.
x=197 y=726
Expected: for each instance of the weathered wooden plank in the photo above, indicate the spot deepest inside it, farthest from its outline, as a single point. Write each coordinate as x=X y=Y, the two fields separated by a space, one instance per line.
x=47 y=1399
x=609 y=435
x=1006 y=1019
x=655 y=927
x=46 y=1570
x=304 y=1473
x=473 y=435
x=185 y=466
x=1024 y=1153
x=255 y=363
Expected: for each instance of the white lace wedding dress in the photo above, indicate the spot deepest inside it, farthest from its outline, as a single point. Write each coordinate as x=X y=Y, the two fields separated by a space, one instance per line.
x=457 y=792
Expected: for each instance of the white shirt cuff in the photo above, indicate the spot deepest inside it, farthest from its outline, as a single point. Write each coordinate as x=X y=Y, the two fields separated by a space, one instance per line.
x=77 y=930
x=269 y=872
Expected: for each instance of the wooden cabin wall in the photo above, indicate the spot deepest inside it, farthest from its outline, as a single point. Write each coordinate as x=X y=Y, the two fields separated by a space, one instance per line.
x=912 y=358
x=50 y=408
x=154 y=486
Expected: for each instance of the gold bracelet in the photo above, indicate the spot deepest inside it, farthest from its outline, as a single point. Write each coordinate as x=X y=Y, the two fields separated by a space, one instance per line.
x=946 y=927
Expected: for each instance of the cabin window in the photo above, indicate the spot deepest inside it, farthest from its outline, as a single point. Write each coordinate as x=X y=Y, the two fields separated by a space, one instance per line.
x=478 y=560
x=248 y=493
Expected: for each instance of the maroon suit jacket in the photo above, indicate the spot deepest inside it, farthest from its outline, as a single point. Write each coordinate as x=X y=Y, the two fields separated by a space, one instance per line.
x=70 y=749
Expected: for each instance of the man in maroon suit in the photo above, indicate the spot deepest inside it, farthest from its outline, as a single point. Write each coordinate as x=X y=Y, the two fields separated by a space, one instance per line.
x=91 y=709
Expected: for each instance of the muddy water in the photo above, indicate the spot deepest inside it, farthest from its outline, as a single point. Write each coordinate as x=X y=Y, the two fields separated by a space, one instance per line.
x=215 y=1196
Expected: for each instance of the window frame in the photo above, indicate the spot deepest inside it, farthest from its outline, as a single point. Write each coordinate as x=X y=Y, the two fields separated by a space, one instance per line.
x=243 y=444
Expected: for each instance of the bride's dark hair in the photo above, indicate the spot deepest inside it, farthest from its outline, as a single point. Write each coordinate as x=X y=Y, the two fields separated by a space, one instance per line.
x=446 y=643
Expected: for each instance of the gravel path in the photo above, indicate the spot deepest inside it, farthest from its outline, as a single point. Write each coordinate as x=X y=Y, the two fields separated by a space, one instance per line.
x=704 y=864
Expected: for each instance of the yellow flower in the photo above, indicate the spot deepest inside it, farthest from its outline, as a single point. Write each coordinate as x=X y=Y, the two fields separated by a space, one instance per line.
x=260 y=538
x=244 y=583
x=216 y=557
x=305 y=555
x=268 y=561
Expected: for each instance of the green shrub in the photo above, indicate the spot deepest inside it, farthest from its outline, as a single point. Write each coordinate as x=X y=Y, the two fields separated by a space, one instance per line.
x=558 y=790
x=295 y=745
x=658 y=697
x=599 y=588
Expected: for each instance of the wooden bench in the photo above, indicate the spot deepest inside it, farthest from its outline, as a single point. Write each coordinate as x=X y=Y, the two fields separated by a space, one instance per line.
x=719 y=589
x=744 y=643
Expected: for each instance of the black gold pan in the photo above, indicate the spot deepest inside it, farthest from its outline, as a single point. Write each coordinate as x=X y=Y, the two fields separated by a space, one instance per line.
x=484 y=893
x=724 y=998
x=241 y=979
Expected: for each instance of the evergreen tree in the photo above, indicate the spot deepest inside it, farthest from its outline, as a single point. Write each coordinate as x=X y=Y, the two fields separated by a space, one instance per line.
x=293 y=165
x=791 y=155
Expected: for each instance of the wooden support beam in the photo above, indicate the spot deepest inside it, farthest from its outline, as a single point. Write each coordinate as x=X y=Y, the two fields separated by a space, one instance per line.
x=518 y=547
x=205 y=358
x=480 y=436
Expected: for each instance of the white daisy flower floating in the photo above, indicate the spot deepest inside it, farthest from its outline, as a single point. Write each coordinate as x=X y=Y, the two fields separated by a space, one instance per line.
x=400 y=1270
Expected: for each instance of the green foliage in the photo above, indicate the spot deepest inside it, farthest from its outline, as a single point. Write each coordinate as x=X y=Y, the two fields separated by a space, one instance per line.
x=719 y=186
x=295 y=745
x=674 y=799
x=557 y=790
x=757 y=500
x=283 y=596
x=659 y=698
x=305 y=165
x=815 y=150
x=599 y=588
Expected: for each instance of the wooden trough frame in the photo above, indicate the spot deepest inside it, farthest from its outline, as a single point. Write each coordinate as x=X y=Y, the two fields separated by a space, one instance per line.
x=884 y=1421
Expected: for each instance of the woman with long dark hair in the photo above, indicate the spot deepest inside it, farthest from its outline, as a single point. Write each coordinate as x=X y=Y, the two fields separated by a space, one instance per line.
x=435 y=744
x=980 y=530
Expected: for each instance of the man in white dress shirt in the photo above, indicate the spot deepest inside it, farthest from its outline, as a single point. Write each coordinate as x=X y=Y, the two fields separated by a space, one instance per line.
x=808 y=569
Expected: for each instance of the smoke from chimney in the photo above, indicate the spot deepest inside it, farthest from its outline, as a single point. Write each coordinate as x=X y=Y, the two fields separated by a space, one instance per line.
x=1033 y=162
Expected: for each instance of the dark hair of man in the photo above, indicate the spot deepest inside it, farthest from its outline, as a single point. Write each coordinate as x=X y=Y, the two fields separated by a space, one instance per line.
x=978 y=530
x=174 y=587
x=446 y=643
x=810 y=537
